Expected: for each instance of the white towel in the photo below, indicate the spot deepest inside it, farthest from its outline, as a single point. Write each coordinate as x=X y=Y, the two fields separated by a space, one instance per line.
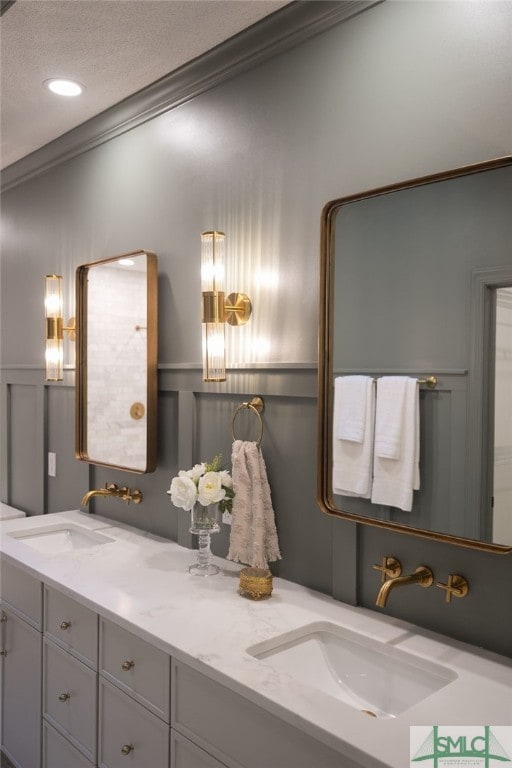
x=390 y=415
x=253 y=537
x=397 y=442
x=352 y=461
x=353 y=403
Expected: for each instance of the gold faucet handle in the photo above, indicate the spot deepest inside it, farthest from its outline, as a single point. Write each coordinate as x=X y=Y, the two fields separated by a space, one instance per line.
x=128 y=495
x=112 y=487
x=389 y=568
x=457 y=586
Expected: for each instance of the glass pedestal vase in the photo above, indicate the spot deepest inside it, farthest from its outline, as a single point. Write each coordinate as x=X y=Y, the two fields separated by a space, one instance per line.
x=203 y=522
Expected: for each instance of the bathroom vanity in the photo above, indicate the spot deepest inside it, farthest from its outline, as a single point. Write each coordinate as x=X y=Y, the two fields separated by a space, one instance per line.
x=114 y=655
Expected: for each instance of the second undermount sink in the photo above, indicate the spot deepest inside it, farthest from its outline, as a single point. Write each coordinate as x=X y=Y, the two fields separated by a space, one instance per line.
x=374 y=677
x=56 y=539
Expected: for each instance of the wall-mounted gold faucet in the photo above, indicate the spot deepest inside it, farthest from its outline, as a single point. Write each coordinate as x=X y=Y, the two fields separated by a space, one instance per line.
x=111 y=489
x=391 y=566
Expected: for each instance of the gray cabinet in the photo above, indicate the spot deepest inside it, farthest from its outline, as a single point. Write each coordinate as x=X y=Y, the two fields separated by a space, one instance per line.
x=90 y=693
x=129 y=734
x=72 y=626
x=137 y=667
x=185 y=754
x=134 y=701
x=59 y=753
x=237 y=732
x=69 y=698
x=20 y=641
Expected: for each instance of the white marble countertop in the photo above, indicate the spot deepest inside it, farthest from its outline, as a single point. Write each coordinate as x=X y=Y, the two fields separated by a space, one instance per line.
x=142 y=582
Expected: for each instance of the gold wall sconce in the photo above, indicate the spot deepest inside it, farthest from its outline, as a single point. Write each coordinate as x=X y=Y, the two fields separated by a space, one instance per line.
x=55 y=328
x=217 y=309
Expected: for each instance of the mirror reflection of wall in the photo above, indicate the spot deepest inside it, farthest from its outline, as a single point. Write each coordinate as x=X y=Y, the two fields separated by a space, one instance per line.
x=502 y=509
x=117 y=370
x=401 y=268
x=117 y=363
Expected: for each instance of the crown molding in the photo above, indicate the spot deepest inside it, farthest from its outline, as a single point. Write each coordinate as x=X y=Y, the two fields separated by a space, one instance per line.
x=273 y=35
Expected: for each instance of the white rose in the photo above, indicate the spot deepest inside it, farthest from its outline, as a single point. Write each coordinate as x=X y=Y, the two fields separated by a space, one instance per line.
x=196 y=471
x=226 y=479
x=210 y=490
x=183 y=492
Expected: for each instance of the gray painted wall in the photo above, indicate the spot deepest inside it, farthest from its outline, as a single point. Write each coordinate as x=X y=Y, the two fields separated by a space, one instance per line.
x=399 y=91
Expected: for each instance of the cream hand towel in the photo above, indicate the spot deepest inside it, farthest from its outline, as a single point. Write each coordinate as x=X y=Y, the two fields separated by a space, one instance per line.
x=353 y=461
x=394 y=479
x=253 y=538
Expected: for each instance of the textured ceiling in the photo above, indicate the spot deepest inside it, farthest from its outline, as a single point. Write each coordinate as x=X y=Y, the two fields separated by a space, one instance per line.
x=113 y=47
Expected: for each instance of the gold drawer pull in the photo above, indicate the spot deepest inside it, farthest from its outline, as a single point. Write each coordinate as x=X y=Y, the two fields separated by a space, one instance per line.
x=65 y=624
x=127 y=665
x=3 y=652
x=3 y=619
x=64 y=696
x=127 y=748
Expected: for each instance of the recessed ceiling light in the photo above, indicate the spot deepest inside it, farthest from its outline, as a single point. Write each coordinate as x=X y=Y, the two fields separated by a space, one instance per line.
x=64 y=87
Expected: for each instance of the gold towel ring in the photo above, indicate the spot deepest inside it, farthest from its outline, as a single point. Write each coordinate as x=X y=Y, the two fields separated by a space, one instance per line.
x=256 y=405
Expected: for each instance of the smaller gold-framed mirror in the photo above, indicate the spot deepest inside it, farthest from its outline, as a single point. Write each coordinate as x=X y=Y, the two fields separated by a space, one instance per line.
x=116 y=375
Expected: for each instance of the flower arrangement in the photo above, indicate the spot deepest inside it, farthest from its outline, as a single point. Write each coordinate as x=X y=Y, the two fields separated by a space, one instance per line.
x=205 y=483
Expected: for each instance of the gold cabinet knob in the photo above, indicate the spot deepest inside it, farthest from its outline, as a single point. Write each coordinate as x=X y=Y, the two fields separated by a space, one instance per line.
x=65 y=624
x=64 y=696
x=127 y=665
x=3 y=652
x=457 y=586
x=3 y=618
x=127 y=748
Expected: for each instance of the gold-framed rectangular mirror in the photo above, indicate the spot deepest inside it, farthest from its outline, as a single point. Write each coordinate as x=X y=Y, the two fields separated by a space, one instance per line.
x=416 y=282
x=116 y=374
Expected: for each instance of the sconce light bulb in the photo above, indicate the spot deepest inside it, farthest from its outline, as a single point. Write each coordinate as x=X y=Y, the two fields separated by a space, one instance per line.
x=214 y=352
x=54 y=358
x=53 y=296
x=213 y=246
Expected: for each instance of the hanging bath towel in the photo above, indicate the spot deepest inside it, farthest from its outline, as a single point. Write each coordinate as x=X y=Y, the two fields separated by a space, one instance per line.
x=253 y=538
x=396 y=471
x=353 y=427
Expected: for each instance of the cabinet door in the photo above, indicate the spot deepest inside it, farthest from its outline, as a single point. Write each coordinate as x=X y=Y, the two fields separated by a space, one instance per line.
x=71 y=625
x=69 y=698
x=140 y=669
x=238 y=732
x=129 y=735
x=22 y=592
x=185 y=754
x=21 y=691
x=58 y=752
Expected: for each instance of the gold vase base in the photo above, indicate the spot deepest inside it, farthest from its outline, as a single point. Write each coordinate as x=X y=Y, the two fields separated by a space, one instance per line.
x=255 y=583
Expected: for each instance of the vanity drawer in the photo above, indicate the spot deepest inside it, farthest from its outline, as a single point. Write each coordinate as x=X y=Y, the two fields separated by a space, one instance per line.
x=236 y=731
x=22 y=592
x=185 y=754
x=71 y=625
x=58 y=753
x=69 y=698
x=137 y=667
x=128 y=733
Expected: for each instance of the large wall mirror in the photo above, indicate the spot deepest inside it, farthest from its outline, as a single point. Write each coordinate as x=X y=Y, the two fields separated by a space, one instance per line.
x=117 y=361
x=416 y=282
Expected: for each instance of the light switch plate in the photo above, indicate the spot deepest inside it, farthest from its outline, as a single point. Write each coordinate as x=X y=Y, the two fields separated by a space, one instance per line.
x=52 y=464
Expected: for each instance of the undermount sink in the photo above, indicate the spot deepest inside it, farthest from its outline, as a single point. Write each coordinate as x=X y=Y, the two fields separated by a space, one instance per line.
x=56 y=539
x=374 y=677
